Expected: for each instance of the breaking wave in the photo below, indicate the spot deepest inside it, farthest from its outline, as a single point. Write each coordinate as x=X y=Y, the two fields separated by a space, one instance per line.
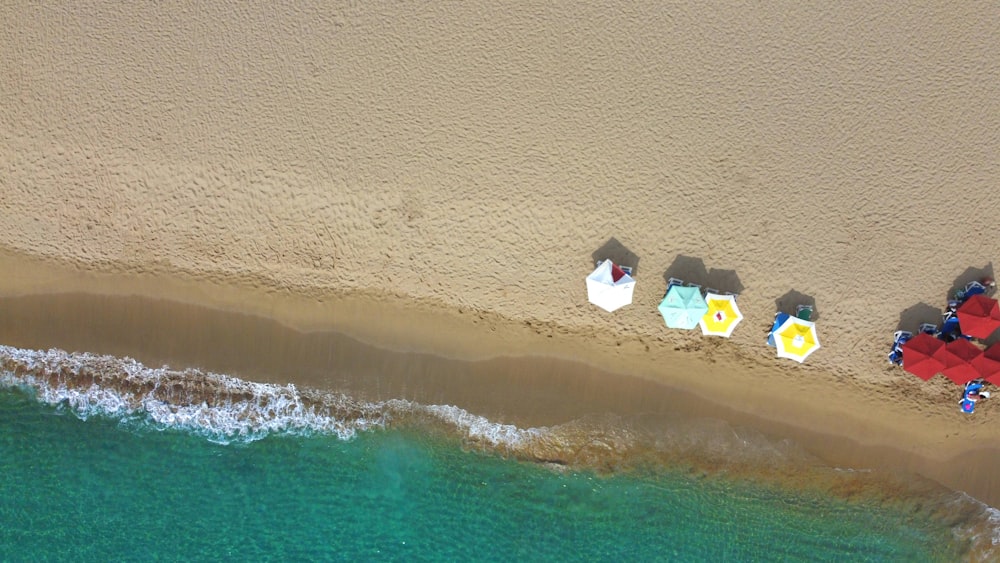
x=220 y=407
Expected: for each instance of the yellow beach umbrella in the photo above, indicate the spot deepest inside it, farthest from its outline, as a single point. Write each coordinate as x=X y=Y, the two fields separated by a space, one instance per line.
x=722 y=317
x=795 y=339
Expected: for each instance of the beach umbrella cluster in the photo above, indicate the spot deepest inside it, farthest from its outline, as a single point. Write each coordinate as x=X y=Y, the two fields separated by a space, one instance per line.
x=960 y=360
x=956 y=349
x=686 y=307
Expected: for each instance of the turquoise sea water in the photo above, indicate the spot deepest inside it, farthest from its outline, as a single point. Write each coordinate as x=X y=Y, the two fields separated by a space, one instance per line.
x=120 y=484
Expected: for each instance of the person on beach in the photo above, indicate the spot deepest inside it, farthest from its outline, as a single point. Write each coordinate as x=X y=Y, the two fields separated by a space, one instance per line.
x=972 y=394
x=949 y=322
x=984 y=286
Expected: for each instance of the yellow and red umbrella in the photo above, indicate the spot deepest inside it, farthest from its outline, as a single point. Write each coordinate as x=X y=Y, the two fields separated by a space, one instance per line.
x=722 y=317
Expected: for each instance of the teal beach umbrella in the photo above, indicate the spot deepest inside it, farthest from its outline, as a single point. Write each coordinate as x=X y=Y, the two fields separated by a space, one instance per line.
x=683 y=307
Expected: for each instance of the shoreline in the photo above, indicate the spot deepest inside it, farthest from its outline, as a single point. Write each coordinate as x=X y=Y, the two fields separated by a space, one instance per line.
x=509 y=371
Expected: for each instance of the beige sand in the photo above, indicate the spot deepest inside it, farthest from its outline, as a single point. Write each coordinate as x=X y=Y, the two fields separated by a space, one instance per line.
x=459 y=165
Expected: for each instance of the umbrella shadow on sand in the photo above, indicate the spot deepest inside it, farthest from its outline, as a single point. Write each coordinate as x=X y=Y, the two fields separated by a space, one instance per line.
x=970 y=274
x=616 y=252
x=911 y=318
x=975 y=274
x=790 y=301
x=693 y=270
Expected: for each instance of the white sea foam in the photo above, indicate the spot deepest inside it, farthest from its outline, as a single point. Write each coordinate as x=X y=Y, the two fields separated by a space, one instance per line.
x=483 y=430
x=978 y=524
x=221 y=407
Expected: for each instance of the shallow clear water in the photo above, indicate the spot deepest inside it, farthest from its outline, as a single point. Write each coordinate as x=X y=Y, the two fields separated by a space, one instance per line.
x=121 y=488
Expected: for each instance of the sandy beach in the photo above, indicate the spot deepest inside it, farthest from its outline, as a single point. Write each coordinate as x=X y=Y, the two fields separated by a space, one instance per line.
x=435 y=181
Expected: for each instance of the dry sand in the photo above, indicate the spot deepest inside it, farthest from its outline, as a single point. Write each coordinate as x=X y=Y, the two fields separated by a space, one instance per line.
x=439 y=178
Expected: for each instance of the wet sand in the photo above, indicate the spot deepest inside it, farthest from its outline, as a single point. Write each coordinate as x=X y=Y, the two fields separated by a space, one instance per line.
x=554 y=385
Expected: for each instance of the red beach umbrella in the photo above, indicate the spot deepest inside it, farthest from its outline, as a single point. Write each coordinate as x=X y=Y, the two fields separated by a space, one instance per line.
x=979 y=316
x=924 y=356
x=958 y=366
x=989 y=364
x=988 y=368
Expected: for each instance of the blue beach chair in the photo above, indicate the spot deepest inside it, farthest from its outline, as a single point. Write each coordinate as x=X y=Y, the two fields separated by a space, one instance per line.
x=779 y=319
x=672 y=282
x=970 y=289
x=950 y=329
x=896 y=352
x=930 y=328
x=896 y=356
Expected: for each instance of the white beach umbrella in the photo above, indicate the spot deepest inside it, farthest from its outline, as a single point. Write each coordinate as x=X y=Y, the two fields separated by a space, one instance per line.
x=609 y=287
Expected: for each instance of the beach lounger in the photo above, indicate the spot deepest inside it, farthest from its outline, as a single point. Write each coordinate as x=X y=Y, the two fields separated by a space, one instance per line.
x=779 y=319
x=896 y=357
x=950 y=325
x=898 y=339
x=712 y=290
x=929 y=328
x=804 y=312
x=674 y=281
x=970 y=289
